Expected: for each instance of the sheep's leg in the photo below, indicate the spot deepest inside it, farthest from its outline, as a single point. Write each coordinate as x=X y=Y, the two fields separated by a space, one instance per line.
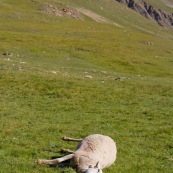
x=64 y=150
x=71 y=139
x=55 y=161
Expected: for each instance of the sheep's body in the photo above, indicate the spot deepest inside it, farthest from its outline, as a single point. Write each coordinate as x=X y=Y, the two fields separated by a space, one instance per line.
x=95 y=148
x=90 y=151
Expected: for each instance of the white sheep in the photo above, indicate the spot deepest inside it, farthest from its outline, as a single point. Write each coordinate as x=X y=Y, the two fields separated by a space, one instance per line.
x=92 y=154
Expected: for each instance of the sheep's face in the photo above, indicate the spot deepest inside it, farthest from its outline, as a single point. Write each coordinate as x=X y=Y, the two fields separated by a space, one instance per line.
x=95 y=169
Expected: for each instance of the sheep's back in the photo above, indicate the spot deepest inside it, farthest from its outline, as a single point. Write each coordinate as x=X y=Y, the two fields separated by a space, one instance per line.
x=96 y=148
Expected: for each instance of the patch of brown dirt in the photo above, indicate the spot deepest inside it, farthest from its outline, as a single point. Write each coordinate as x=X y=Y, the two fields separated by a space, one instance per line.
x=61 y=10
x=95 y=16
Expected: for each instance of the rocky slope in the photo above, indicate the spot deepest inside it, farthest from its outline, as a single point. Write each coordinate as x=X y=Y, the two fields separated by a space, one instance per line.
x=161 y=17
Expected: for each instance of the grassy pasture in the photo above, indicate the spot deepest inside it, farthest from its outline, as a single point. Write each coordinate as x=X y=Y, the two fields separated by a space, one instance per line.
x=45 y=92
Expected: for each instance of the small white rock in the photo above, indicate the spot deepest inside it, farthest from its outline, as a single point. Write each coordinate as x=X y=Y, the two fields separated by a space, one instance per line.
x=54 y=72
x=88 y=76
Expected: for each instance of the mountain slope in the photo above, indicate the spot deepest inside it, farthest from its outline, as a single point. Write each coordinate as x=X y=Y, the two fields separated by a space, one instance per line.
x=163 y=18
x=127 y=47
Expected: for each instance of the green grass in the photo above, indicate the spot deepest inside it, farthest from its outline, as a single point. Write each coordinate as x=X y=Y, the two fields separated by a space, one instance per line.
x=44 y=91
x=38 y=107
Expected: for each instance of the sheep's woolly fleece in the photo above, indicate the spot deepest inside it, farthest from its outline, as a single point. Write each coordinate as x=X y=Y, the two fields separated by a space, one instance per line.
x=95 y=148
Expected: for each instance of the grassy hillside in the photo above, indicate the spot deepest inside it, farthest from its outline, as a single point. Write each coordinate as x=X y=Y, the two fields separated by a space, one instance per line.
x=59 y=76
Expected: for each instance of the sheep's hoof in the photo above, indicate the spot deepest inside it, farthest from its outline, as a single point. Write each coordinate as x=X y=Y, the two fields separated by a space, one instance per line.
x=39 y=161
x=64 y=138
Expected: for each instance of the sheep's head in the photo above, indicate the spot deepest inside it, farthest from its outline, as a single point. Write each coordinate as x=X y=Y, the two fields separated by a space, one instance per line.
x=95 y=169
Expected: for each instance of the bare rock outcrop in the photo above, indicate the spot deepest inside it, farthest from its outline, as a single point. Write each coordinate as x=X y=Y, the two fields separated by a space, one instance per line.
x=161 y=17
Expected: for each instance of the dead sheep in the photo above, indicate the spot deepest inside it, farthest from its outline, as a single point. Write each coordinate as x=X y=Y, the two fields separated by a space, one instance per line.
x=92 y=154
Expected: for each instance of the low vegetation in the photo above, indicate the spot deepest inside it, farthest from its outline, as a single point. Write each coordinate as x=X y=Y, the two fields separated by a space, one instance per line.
x=62 y=76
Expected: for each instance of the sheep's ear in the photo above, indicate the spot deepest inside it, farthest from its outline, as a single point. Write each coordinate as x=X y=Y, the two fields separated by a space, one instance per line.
x=97 y=165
